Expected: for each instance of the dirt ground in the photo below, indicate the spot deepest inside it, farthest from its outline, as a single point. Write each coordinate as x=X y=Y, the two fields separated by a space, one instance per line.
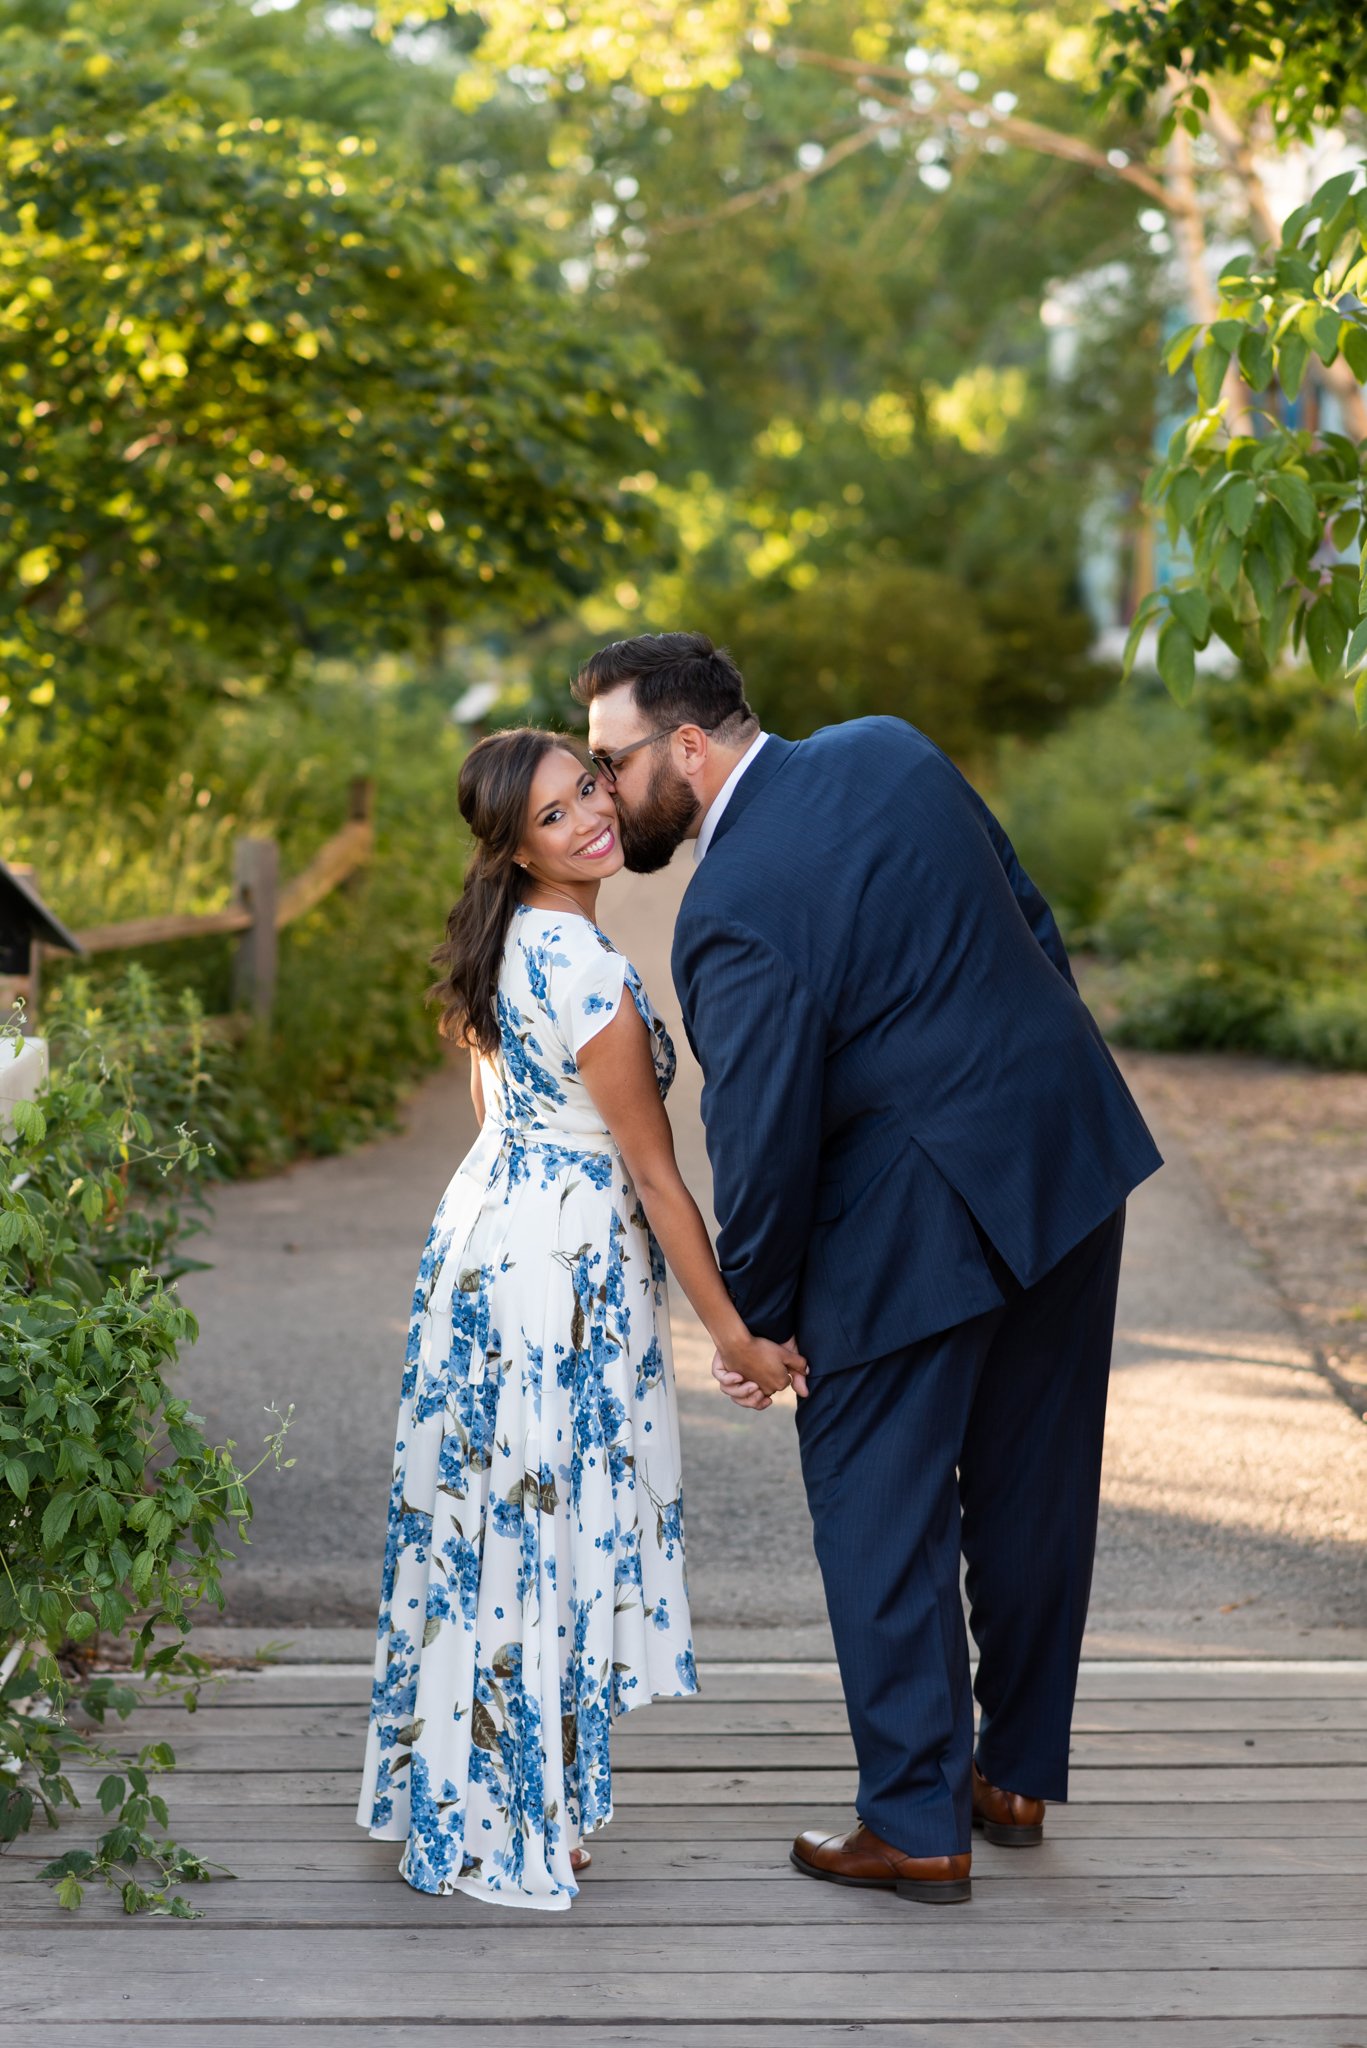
x=1284 y=1150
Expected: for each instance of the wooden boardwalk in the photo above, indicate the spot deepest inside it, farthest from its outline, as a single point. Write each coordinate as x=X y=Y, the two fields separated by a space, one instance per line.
x=1207 y=1886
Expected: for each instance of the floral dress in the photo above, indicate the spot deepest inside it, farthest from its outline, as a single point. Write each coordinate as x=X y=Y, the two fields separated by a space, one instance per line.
x=534 y=1581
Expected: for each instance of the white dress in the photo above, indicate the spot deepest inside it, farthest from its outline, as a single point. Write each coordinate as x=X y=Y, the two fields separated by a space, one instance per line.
x=534 y=1581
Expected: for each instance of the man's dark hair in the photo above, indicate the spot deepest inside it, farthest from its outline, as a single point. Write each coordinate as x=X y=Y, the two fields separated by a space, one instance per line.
x=676 y=677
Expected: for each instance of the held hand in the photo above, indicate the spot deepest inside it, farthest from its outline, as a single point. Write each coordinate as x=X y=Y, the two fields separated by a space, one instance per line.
x=736 y=1387
x=752 y=1373
x=797 y=1367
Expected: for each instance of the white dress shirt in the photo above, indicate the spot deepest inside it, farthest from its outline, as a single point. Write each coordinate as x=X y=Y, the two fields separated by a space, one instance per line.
x=712 y=815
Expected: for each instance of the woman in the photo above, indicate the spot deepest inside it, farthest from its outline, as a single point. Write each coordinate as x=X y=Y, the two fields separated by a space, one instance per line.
x=534 y=1573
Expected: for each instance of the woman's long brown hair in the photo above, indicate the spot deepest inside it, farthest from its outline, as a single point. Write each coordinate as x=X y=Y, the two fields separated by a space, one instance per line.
x=494 y=794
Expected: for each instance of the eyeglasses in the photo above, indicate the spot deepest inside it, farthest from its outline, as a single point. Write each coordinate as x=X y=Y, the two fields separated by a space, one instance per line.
x=608 y=764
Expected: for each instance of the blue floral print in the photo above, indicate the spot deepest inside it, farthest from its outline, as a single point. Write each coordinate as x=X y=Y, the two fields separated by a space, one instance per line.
x=537 y=1425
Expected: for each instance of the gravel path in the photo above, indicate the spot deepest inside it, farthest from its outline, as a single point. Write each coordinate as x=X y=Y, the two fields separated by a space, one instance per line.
x=1235 y=1502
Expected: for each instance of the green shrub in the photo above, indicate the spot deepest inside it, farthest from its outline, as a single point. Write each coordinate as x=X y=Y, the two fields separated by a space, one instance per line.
x=113 y=1506
x=350 y=1033
x=890 y=636
x=1075 y=804
x=1244 y=924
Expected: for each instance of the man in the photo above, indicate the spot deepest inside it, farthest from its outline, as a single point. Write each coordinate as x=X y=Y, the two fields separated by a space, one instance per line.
x=921 y=1150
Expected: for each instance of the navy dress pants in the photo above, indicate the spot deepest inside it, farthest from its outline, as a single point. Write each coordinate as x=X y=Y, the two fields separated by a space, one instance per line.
x=985 y=1438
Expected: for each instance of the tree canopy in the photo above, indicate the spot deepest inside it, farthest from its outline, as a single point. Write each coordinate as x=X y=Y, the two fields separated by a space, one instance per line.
x=265 y=387
x=1176 y=105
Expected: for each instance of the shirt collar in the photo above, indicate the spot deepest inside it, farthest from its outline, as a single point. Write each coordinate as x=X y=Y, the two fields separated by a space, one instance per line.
x=712 y=815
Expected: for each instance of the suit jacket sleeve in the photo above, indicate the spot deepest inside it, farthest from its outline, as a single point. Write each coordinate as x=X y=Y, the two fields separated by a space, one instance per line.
x=760 y=1039
x=1034 y=908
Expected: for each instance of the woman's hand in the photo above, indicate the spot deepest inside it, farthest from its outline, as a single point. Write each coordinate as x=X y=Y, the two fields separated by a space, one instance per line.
x=753 y=1370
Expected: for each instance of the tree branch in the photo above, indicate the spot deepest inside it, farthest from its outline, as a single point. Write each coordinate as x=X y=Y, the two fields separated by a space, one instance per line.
x=1014 y=127
x=791 y=181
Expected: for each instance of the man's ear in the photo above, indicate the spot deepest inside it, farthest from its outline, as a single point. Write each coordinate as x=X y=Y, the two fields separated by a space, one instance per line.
x=690 y=743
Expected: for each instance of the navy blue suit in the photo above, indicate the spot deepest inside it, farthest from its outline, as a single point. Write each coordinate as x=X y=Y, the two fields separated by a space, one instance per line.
x=921 y=1149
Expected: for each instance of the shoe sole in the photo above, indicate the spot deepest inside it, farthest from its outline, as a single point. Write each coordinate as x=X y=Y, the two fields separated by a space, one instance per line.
x=926 y=1892
x=1007 y=1835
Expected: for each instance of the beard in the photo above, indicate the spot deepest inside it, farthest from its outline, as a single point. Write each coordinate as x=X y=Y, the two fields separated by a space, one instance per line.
x=652 y=830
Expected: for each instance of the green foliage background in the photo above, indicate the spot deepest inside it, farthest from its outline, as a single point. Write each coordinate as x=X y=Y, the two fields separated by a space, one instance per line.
x=341 y=368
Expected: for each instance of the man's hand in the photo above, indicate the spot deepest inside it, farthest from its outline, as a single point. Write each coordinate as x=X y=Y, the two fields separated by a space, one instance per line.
x=749 y=1392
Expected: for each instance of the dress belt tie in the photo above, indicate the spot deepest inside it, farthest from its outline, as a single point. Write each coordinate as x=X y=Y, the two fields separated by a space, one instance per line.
x=537 y=1140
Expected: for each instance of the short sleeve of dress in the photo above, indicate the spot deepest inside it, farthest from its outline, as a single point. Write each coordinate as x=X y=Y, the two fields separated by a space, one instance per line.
x=588 y=991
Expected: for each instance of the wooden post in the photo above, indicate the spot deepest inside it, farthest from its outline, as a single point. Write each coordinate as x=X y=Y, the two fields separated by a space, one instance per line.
x=360 y=811
x=30 y=985
x=256 y=869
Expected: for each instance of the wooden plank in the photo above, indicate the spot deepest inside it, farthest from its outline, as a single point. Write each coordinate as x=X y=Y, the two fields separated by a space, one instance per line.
x=339 y=857
x=70 y=1976
x=259 y=1714
x=503 y=1942
x=790 y=1901
x=289 y=1684
x=218 y=1817
x=1091 y=2033
x=199 y=1746
x=334 y=1857
x=1327 y=1784
x=162 y=931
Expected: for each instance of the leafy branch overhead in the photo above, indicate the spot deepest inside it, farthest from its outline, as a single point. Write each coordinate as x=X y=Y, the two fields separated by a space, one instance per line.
x=265 y=386
x=1272 y=518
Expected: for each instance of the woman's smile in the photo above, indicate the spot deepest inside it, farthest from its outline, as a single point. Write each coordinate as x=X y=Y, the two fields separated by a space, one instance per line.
x=596 y=848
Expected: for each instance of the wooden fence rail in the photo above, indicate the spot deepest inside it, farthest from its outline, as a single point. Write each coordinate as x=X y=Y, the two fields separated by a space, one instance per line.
x=261 y=905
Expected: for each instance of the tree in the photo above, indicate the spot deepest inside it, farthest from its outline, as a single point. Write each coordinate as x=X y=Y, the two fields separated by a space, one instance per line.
x=267 y=388
x=1195 y=88
x=1306 y=59
x=867 y=392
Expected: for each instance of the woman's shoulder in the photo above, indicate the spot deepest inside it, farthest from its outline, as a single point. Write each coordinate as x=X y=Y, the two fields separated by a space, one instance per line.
x=566 y=962
x=549 y=940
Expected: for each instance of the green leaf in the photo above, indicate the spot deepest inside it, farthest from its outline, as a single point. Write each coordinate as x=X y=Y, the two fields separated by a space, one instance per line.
x=1357 y=647
x=1261 y=580
x=1209 y=365
x=29 y=1121
x=1228 y=562
x=1256 y=359
x=70 y=1893
x=1296 y=496
x=1360 y=701
x=112 y=1793
x=1180 y=347
x=1274 y=625
x=1185 y=494
x=1353 y=347
x=57 y=1518
x=1144 y=611
x=1324 y=334
x=1228 y=334
x=1292 y=356
x=1325 y=202
x=1345 y=527
x=1238 y=502
x=16 y=1478
x=1325 y=638
x=1192 y=607
x=1223 y=622
x=1344 y=597
x=1177 y=660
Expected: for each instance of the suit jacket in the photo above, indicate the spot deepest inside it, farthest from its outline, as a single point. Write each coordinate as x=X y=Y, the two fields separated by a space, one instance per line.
x=893 y=1049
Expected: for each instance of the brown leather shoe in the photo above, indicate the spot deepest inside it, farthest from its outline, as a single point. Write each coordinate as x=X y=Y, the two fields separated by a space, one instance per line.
x=1007 y=1818
x=863 y=1858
